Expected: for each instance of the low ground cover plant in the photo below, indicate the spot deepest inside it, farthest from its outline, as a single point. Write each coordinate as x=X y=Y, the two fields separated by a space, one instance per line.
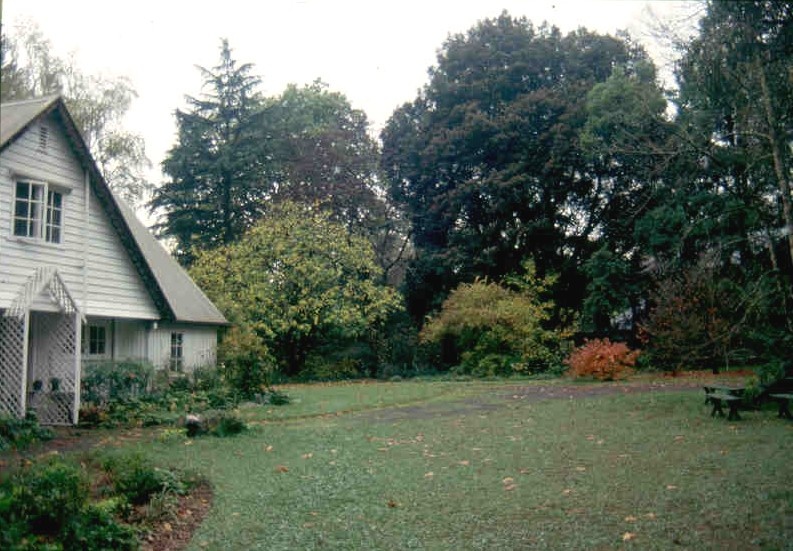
x=602 y=359
x=59 y=504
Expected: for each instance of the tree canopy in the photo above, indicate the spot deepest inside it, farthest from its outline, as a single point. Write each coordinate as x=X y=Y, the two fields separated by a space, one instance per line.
x=298 y=280
x=488 y=162
x=97 y=104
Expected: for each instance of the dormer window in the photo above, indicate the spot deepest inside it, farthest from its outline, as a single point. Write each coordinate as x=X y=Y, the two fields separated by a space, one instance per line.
x=38 y=212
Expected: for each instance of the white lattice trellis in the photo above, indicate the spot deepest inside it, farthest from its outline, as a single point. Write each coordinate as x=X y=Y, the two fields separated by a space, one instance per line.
x=12 y=365
x=39 y=352
x=43 y=278
x=54 y=347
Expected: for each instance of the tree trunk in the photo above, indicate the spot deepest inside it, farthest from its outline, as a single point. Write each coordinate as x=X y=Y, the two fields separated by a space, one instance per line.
x=776 y=151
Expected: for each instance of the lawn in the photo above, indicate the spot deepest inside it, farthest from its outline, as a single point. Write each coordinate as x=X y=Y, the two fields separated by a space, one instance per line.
x=443 y=465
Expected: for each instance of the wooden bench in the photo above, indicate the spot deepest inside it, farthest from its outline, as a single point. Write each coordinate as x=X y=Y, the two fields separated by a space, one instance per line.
x=718 y=399
x=722 y=389
x=784 y=409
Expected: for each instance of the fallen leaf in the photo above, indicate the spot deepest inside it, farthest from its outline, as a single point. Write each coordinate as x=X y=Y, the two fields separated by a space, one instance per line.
x=630 y=518
x=628 y=536
x=508 y=480
x=567 y=491
x=651 y=516
x=580 y=469
x=464 y=462
x=268 y=448
x=282 y=469
x=392 y=504
x=307 y=455
x=509 y=487
x=671 y=487
x=429 y=474
x=167 y=526
x=524 y=471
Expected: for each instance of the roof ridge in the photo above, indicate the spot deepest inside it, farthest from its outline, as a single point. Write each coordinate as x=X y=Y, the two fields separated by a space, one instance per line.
x=39 y=99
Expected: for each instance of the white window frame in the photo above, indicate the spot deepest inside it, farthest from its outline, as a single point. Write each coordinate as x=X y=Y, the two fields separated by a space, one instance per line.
x=42 y=219
x=96 y=334
x=176 y=356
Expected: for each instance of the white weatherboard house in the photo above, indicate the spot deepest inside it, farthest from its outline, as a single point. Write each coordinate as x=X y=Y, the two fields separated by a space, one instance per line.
x=81 y=279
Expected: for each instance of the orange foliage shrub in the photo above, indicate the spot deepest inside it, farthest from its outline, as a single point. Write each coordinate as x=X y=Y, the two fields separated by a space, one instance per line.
x=602 y=359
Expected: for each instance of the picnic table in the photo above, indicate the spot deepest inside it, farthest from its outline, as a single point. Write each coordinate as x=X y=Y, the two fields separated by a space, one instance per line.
x=720 y=395
x=784 y=409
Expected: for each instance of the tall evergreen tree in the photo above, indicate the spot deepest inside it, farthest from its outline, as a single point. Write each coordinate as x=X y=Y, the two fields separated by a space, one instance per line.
x=736 y=95
x=219 y=172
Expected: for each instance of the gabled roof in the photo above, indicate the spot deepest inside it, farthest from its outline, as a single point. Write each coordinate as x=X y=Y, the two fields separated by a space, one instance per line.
x=174 y=293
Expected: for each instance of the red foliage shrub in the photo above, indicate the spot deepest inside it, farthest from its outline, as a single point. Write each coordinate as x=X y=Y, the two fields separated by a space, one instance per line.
x=602 y=359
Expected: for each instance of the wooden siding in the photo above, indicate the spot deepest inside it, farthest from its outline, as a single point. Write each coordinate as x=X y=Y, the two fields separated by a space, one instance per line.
x=199 y=345
x=140 y=341
x=91 y=259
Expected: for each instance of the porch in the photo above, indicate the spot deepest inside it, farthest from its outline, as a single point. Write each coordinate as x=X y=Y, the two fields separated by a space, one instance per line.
x=40 y=351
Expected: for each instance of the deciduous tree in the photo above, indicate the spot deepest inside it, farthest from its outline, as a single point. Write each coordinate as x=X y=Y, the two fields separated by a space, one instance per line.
x=298 y=280
x=487 y=161
x=97 y=104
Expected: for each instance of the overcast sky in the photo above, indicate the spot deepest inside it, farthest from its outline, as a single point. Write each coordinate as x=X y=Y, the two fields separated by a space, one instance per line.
x=375 y=52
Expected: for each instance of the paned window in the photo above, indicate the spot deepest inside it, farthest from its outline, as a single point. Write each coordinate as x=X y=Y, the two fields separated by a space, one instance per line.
x=177 y=351
x=38 y=212
x=97 y=339
x=94 y=342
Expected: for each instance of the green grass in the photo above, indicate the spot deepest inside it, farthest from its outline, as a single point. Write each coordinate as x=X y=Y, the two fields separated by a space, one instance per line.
x=319 y=399
x=468 y=466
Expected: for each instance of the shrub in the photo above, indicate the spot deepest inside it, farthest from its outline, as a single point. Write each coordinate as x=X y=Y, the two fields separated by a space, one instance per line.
x=702 y=318
x=490 y=329
x=137 y=480
x=602 y=360
x=18 y=433
x=247 y=362
x=50 y=494
x=219 y=424
x=48 y=504
x=229 y=425
x=278 y=398
x=97 y=529
x=108 y=381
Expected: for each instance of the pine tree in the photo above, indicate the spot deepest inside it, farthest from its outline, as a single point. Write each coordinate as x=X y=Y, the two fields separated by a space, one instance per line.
x=218 y=169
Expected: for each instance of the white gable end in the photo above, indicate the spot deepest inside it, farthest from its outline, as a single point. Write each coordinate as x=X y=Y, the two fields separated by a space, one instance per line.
x=90 y=257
